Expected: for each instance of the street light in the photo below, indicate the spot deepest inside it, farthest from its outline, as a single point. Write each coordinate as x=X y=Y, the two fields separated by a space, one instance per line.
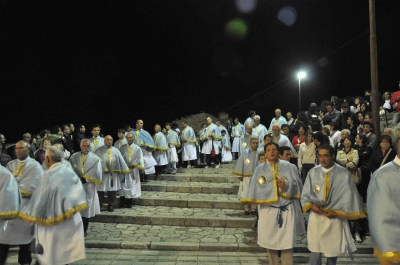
x=300 y=75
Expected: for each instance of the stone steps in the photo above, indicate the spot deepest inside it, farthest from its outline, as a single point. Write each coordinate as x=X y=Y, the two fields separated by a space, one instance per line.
x=209 y=171
x=181 y=238
x=188 y=200
x=187 y=177
x=191 y=187
x=177 y=216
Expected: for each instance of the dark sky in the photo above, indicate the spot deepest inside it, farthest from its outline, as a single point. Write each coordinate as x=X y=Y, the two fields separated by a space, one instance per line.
x=111 y=62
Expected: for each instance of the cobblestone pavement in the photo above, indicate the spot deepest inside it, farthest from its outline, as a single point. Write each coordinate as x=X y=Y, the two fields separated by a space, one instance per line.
x=153 y=257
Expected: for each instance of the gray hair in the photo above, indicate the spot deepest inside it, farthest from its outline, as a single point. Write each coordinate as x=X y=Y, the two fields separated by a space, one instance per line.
x=26 y=144
x=54 y=153
x=256 y=117
x=345 y=131
x=396 y=138
x=84 y=140
x=59 y=146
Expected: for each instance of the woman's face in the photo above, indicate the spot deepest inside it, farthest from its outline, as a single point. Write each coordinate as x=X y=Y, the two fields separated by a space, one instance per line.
x=358 y=140
x=356 y=101
x=46 y=144
x=347 y=142
x=361 y=117
x=344 y=135
x=349 y=121
x=385 y=145
x=309 y=138
x=301 y=130
x=363 y=107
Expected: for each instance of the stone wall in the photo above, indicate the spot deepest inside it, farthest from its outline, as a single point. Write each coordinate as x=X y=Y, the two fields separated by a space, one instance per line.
x=196 y=120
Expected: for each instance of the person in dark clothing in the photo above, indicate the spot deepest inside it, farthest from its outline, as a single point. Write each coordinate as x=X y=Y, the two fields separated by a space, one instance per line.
x=383 y=153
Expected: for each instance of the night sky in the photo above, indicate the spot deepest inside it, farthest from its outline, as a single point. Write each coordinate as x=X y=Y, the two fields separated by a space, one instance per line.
x=112 y=62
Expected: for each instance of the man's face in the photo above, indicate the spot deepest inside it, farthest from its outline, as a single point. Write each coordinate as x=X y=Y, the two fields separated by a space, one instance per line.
x=209 y=120
x=85 y=147
x=325 y=158
x=82 y=129
x=267 y=140
x=46 y=143
x=129 y=138
x=21 y=151
x=218 y=123
x=139 y=125
x=360 y=117
x=67 y=130
x=71 y=127
x=257 y=122
x=367 y=118
x=286 y=155
x=271 y=153
x=96 y=131
x=275 y=130
x=261 y=159
x=329 y=108
x=277 y=113
x=223 y=133
x=157 y=129
x=367 y=128
x=2 y=139
x=316 y=142
x=108 y=141
x=285 y=130
x=249 y=129
x=168 y=127
x=236 y=121
x=184 y=125
x=387 y=132
x=344 y=135
x=289 y=115
x=27 y=137
x=121 y=135
x=345 y=110
x=254 y=144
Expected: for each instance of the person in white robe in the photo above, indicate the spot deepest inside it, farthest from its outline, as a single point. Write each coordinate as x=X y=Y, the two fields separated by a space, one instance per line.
x=276 y=187
x=87 y=166
x=245 y=139
x=96 y=141
x=28 y=174
x=383 y=208
x=188 y=140
x=267 y=139
x=250 y=119
x=331 y=196
x=144 y=140
x=114 y=169
x=226 y=147
x=55 y=207
x=278 y=119
x=210 y=145
x=259 y=129
x=290 y=120
x=121 y=138
x=173 y=142
x=281 y=139
x=133 y=157
x=244 y=169
x=237 y=131
x=160 y=150
x=9 y=192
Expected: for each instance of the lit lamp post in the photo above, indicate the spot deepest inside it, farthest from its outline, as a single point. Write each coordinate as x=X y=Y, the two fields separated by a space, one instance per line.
x=300 y=76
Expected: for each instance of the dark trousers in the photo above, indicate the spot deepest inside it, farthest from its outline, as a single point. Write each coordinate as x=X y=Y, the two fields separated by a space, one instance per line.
x=190 y=162
x=85 y=224
x=160 y=169
x=24 y=254
x=209 y=158
x=235 y=155
x=111 y=197
x=304 y=171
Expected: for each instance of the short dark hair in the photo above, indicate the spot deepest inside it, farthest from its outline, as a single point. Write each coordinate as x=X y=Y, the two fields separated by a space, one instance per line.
x=369 y=114
x=284 y=125
x=387 y=138
x=271 y=143
x=283 y=148
x=251 y=112
x=363 y=137
x=327 y=147
x=121 y=130
x=335 y=126
x=369 y=123
x=95 y=126
x=184 y=121
x=330 y=104
x=344 y=105
x=267 y=135
x=326 y=120
x=223 y=131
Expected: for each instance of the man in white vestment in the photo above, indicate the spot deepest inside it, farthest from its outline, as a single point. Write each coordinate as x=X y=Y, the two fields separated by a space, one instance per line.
x=331 y=196
x=188 y=140
x=226 y=147
x=276 y=186
x=87 y=166
x=280 y=139
x=250 y=119
x=55 y=207
x=9 y=192
x=64 y=161
x=245 y=138
x=28 y=174
x=210 y=146
x=173 y=142
x=279 y=119
x=237 y=131
x=114 y=169
x=144 y=140
x=259 y=129
x=121 y=138
x=160 y=150
x=96 y=141
x=133 y=157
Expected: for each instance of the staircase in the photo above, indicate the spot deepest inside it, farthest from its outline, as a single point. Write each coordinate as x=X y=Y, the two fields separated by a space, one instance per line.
x=196 y=209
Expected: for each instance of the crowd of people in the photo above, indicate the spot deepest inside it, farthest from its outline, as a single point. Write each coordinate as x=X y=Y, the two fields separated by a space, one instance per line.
x=320 y=161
